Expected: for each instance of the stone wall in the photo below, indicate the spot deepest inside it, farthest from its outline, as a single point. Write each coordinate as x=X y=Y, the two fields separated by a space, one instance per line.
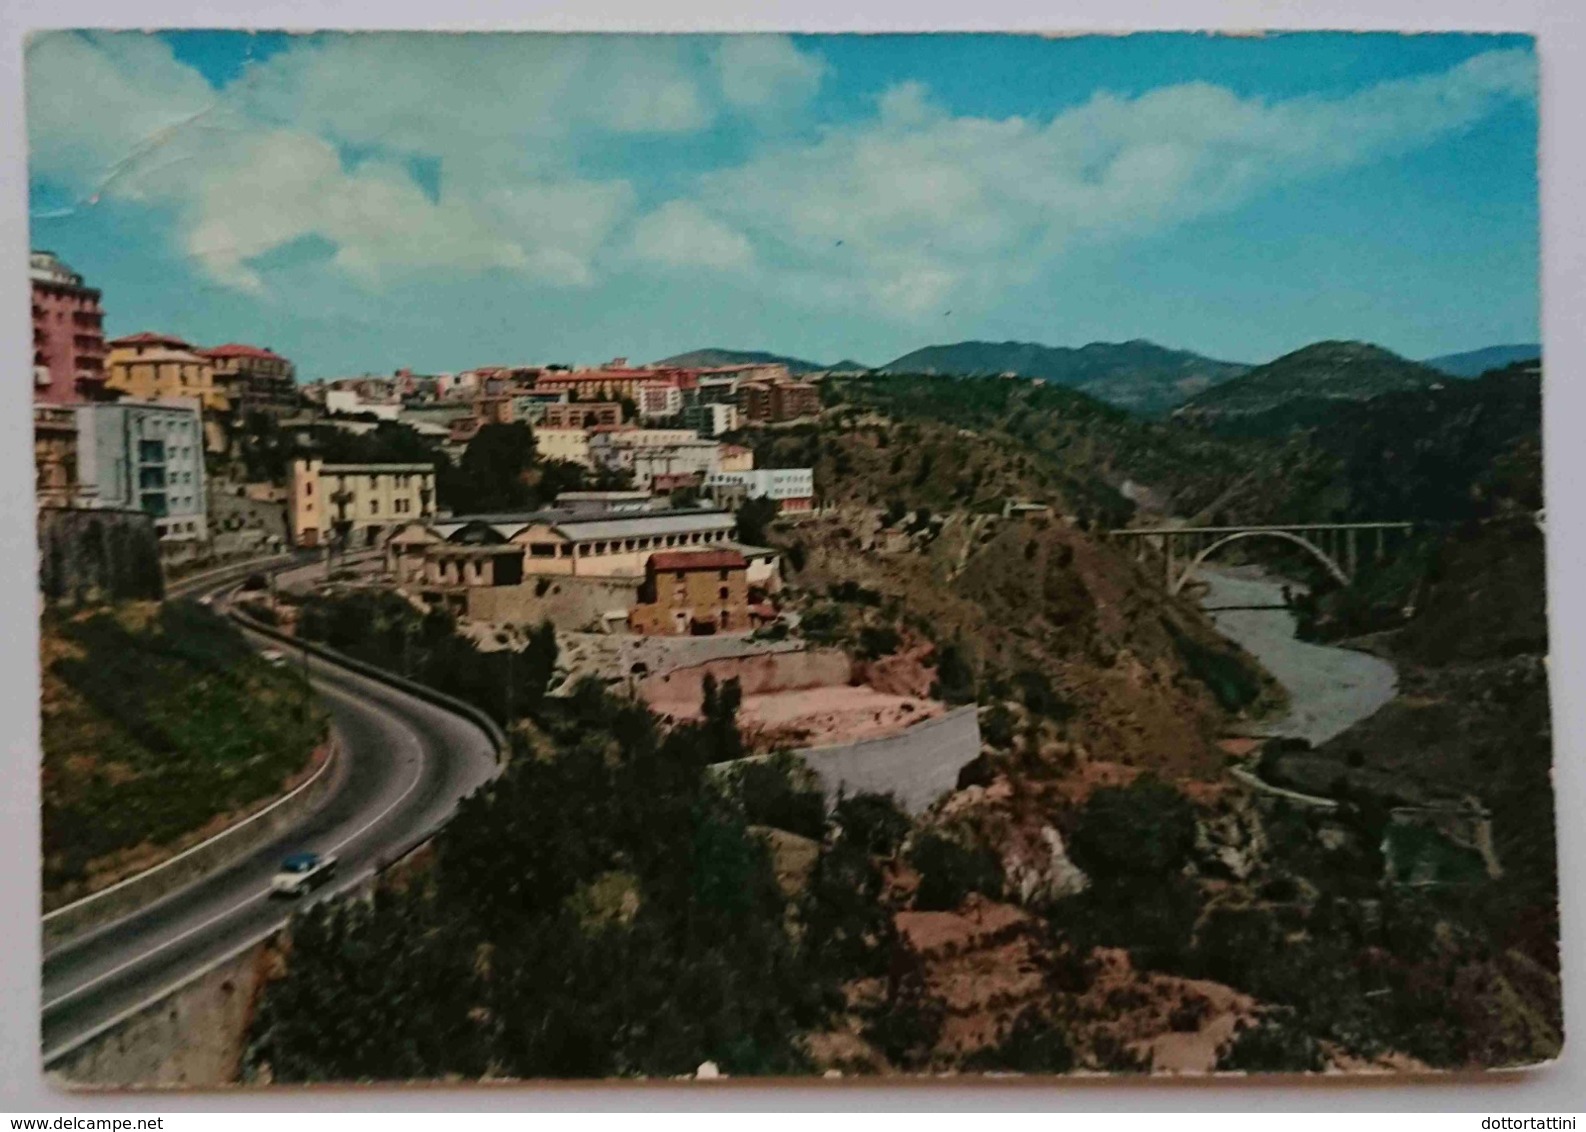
x=567 y=602
x=89 y=555
x=683 y=688
x=194 y=1038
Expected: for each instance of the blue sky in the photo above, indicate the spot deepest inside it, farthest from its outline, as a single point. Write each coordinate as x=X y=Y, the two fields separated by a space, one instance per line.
x=362 y=202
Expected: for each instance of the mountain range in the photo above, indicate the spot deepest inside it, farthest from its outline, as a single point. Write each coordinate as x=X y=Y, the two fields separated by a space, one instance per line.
x=1474 y=363
x=1152 y=380
x=1138 y=375
x=712 y=356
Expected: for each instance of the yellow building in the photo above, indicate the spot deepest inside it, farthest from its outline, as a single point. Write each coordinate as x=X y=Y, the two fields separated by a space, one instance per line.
x=148 y=367
x=692 y=591
x=570 y=444
x=735 y=458
x=370 y=498
x=482 y=549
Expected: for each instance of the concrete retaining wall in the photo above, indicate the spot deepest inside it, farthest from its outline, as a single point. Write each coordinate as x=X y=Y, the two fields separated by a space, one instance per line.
x=88 y=555
x=916 y=766
x=234 y=843
x=681 y=689
x=569 y=603
x=193 y=1038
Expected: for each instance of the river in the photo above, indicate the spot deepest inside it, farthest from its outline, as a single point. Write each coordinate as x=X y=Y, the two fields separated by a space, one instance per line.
x=1330 y=689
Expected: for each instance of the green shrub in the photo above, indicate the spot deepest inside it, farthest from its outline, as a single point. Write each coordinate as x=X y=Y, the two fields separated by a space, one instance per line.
x=1271 y=1046
x=996 y=727
x=1145 y=829
x=877 y=641
x=949 y=872
x=874 y=822
x=1032 y=1045
x=770 y=793
x=907 y=1030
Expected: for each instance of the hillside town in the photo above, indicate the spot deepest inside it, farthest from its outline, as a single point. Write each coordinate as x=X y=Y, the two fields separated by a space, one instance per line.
x=149 y=424
x=606 y=688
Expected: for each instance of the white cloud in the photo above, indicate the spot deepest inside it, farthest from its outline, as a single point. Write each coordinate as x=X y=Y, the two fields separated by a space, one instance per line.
x=760 y=72
x=95 y=101
x=917 y=208
x=907 y=212
x=269 y=160
x=680 y=234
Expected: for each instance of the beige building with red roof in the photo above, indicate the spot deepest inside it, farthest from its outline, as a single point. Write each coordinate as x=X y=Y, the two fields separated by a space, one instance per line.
x=150 y=367
x=692 y=591
x=256 y=379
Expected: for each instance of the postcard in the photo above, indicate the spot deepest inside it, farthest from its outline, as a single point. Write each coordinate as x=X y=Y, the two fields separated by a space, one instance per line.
x=698 y=557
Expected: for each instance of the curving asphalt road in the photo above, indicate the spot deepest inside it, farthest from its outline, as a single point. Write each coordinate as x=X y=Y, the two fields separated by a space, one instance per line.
x=405 y=764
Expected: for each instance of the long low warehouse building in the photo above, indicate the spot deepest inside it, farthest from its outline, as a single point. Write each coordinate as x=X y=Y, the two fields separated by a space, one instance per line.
x=453 y=561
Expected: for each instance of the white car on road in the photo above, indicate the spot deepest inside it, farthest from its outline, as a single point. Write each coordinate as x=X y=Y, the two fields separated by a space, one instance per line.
x=301 y=873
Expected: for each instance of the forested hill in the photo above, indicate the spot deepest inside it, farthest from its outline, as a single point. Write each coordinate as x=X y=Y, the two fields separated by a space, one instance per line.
x=1464 y=450
x=1138 y=375
x=712 y=356
x=1474 y=363
x=1449 y=451
x=1323 y=371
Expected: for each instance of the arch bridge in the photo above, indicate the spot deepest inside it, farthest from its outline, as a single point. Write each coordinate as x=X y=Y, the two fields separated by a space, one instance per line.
x=1335 y=546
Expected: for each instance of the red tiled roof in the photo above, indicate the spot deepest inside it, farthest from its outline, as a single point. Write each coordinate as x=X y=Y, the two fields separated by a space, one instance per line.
x=697 y=560
x=238 y=350
x=149 y=338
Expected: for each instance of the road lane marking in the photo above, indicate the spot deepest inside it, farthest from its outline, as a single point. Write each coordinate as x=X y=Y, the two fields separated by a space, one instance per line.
x=173 y=941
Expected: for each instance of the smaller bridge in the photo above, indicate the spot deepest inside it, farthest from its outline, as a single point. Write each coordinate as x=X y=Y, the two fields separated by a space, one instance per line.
x=1335 y=546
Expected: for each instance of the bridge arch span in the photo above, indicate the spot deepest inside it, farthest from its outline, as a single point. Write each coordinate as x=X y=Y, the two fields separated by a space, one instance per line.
x=1328 y=563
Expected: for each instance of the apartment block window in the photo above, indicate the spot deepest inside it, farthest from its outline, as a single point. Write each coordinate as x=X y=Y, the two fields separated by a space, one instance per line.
x=374 y=507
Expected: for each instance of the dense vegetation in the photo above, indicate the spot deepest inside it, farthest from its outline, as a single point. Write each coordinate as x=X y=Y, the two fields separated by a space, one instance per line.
x=604 y=908
x=156 y=719
x=1330 y=371
x=382 y=628
x=615 y=906
x=1140 y=376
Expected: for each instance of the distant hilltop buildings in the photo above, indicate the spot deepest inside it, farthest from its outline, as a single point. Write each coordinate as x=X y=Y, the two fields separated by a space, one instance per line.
x=126 y=424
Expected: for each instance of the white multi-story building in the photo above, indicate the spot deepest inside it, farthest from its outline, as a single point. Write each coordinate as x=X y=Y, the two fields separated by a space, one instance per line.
x=792 y=489
x=616 y=448
x=659 y=399
x=352 y=403
x=145 y=456
x=711 y=418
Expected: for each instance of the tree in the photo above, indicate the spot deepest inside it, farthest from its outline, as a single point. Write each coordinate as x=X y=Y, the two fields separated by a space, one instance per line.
x=1145 y=829
x=771 y=794
x=955 y=679
x=754 y=516
x=873 y=822
x=949 y=872
x=1271 y=1046
x=494 y=469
